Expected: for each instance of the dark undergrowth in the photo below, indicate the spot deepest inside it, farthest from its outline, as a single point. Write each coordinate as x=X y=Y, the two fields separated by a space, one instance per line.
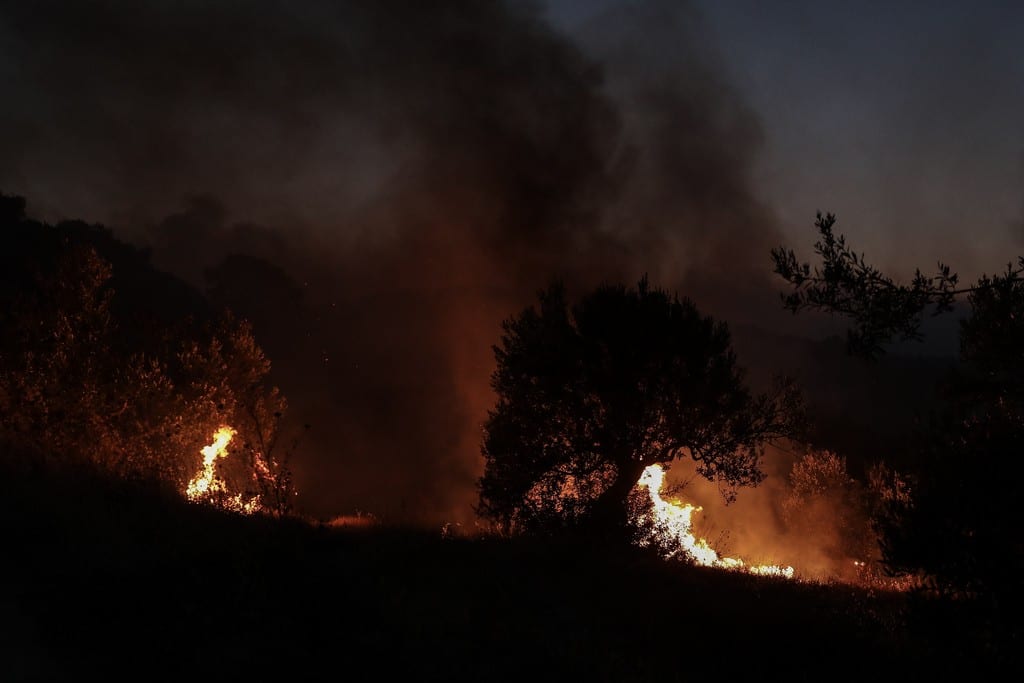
x=109 y=580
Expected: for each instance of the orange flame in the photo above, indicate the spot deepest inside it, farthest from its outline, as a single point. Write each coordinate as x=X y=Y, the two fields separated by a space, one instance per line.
x=207 y=484
x=675 y=519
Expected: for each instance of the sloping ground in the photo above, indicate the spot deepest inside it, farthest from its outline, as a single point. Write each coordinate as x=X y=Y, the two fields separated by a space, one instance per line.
x=109 y=581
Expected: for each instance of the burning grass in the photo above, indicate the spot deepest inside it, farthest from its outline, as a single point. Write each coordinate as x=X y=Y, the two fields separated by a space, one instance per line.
x=672 y=528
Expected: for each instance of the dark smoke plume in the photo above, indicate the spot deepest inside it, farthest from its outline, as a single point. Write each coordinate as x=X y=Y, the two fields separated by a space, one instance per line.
x=378 y=184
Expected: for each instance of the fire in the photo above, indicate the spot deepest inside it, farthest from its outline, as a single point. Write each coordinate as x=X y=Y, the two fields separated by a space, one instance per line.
x=676 y=520
x=207 y=481
x=207 y=485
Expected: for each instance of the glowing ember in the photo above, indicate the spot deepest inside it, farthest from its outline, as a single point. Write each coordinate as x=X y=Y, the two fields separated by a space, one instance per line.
x=676 y=520
x=208 y=486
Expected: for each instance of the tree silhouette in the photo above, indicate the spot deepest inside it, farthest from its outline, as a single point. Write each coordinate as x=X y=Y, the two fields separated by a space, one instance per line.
x=881 y=309
x=958 y=522
x=588 y=398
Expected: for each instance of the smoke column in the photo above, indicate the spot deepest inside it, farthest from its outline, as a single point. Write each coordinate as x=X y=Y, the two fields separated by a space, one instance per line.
x=378 y=184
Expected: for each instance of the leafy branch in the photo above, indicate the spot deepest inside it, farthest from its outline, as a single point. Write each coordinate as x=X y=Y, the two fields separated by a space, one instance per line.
x=881 y=309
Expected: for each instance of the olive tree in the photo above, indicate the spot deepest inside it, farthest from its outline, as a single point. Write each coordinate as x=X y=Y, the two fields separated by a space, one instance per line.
x=588 y=396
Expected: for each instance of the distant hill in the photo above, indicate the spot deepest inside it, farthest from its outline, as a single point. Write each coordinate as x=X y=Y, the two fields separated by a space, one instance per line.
x=148 y=300
x=864 y=410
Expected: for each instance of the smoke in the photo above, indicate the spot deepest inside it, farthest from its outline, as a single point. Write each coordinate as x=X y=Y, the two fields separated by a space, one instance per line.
x=694 y=143
x=378 y=184
x=820 y=536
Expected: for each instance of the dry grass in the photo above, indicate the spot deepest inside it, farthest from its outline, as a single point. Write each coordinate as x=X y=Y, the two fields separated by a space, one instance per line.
x=116 y=580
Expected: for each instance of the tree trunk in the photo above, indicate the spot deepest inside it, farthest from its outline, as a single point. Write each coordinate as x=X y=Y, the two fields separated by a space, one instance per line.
x=610 y=511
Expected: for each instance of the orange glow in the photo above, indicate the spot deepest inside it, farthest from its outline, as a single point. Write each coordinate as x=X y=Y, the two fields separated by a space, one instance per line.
x=675 y=519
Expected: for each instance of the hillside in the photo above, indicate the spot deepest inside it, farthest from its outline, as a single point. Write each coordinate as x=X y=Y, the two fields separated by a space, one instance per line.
x=106 y=578
x=114 y=581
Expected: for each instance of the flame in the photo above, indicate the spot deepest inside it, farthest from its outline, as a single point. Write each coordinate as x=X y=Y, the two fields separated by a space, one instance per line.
x=206 y=480
x=207 y=485
x=677 y=520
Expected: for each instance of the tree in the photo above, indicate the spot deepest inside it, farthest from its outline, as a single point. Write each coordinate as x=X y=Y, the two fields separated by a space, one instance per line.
x=845 y=283
x=224 y=381
x=590 y=397
x=956 y=521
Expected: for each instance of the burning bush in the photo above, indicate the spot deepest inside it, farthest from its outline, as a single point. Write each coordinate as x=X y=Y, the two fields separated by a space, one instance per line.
x=83 y=379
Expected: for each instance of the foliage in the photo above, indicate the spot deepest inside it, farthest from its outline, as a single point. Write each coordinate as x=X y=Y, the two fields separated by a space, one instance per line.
x=589 y=397
x=845 y=283
x=227 y=384
x=826 y=503
x=960 y=524
x=84 y=381
x=954 y=519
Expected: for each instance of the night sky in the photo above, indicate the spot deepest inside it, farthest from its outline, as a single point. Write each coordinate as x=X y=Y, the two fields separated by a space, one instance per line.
x=904 y=118
x=419 y=170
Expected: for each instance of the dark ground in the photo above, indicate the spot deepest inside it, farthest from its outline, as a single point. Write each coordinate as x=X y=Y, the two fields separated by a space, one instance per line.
x=106 y=581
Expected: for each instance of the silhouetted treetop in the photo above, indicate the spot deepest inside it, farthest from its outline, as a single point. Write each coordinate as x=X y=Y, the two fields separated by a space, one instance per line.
x=590 y=396
x=881 y=309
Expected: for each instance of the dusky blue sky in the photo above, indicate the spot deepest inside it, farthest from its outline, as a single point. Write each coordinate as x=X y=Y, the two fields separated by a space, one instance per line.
x=904 y=118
